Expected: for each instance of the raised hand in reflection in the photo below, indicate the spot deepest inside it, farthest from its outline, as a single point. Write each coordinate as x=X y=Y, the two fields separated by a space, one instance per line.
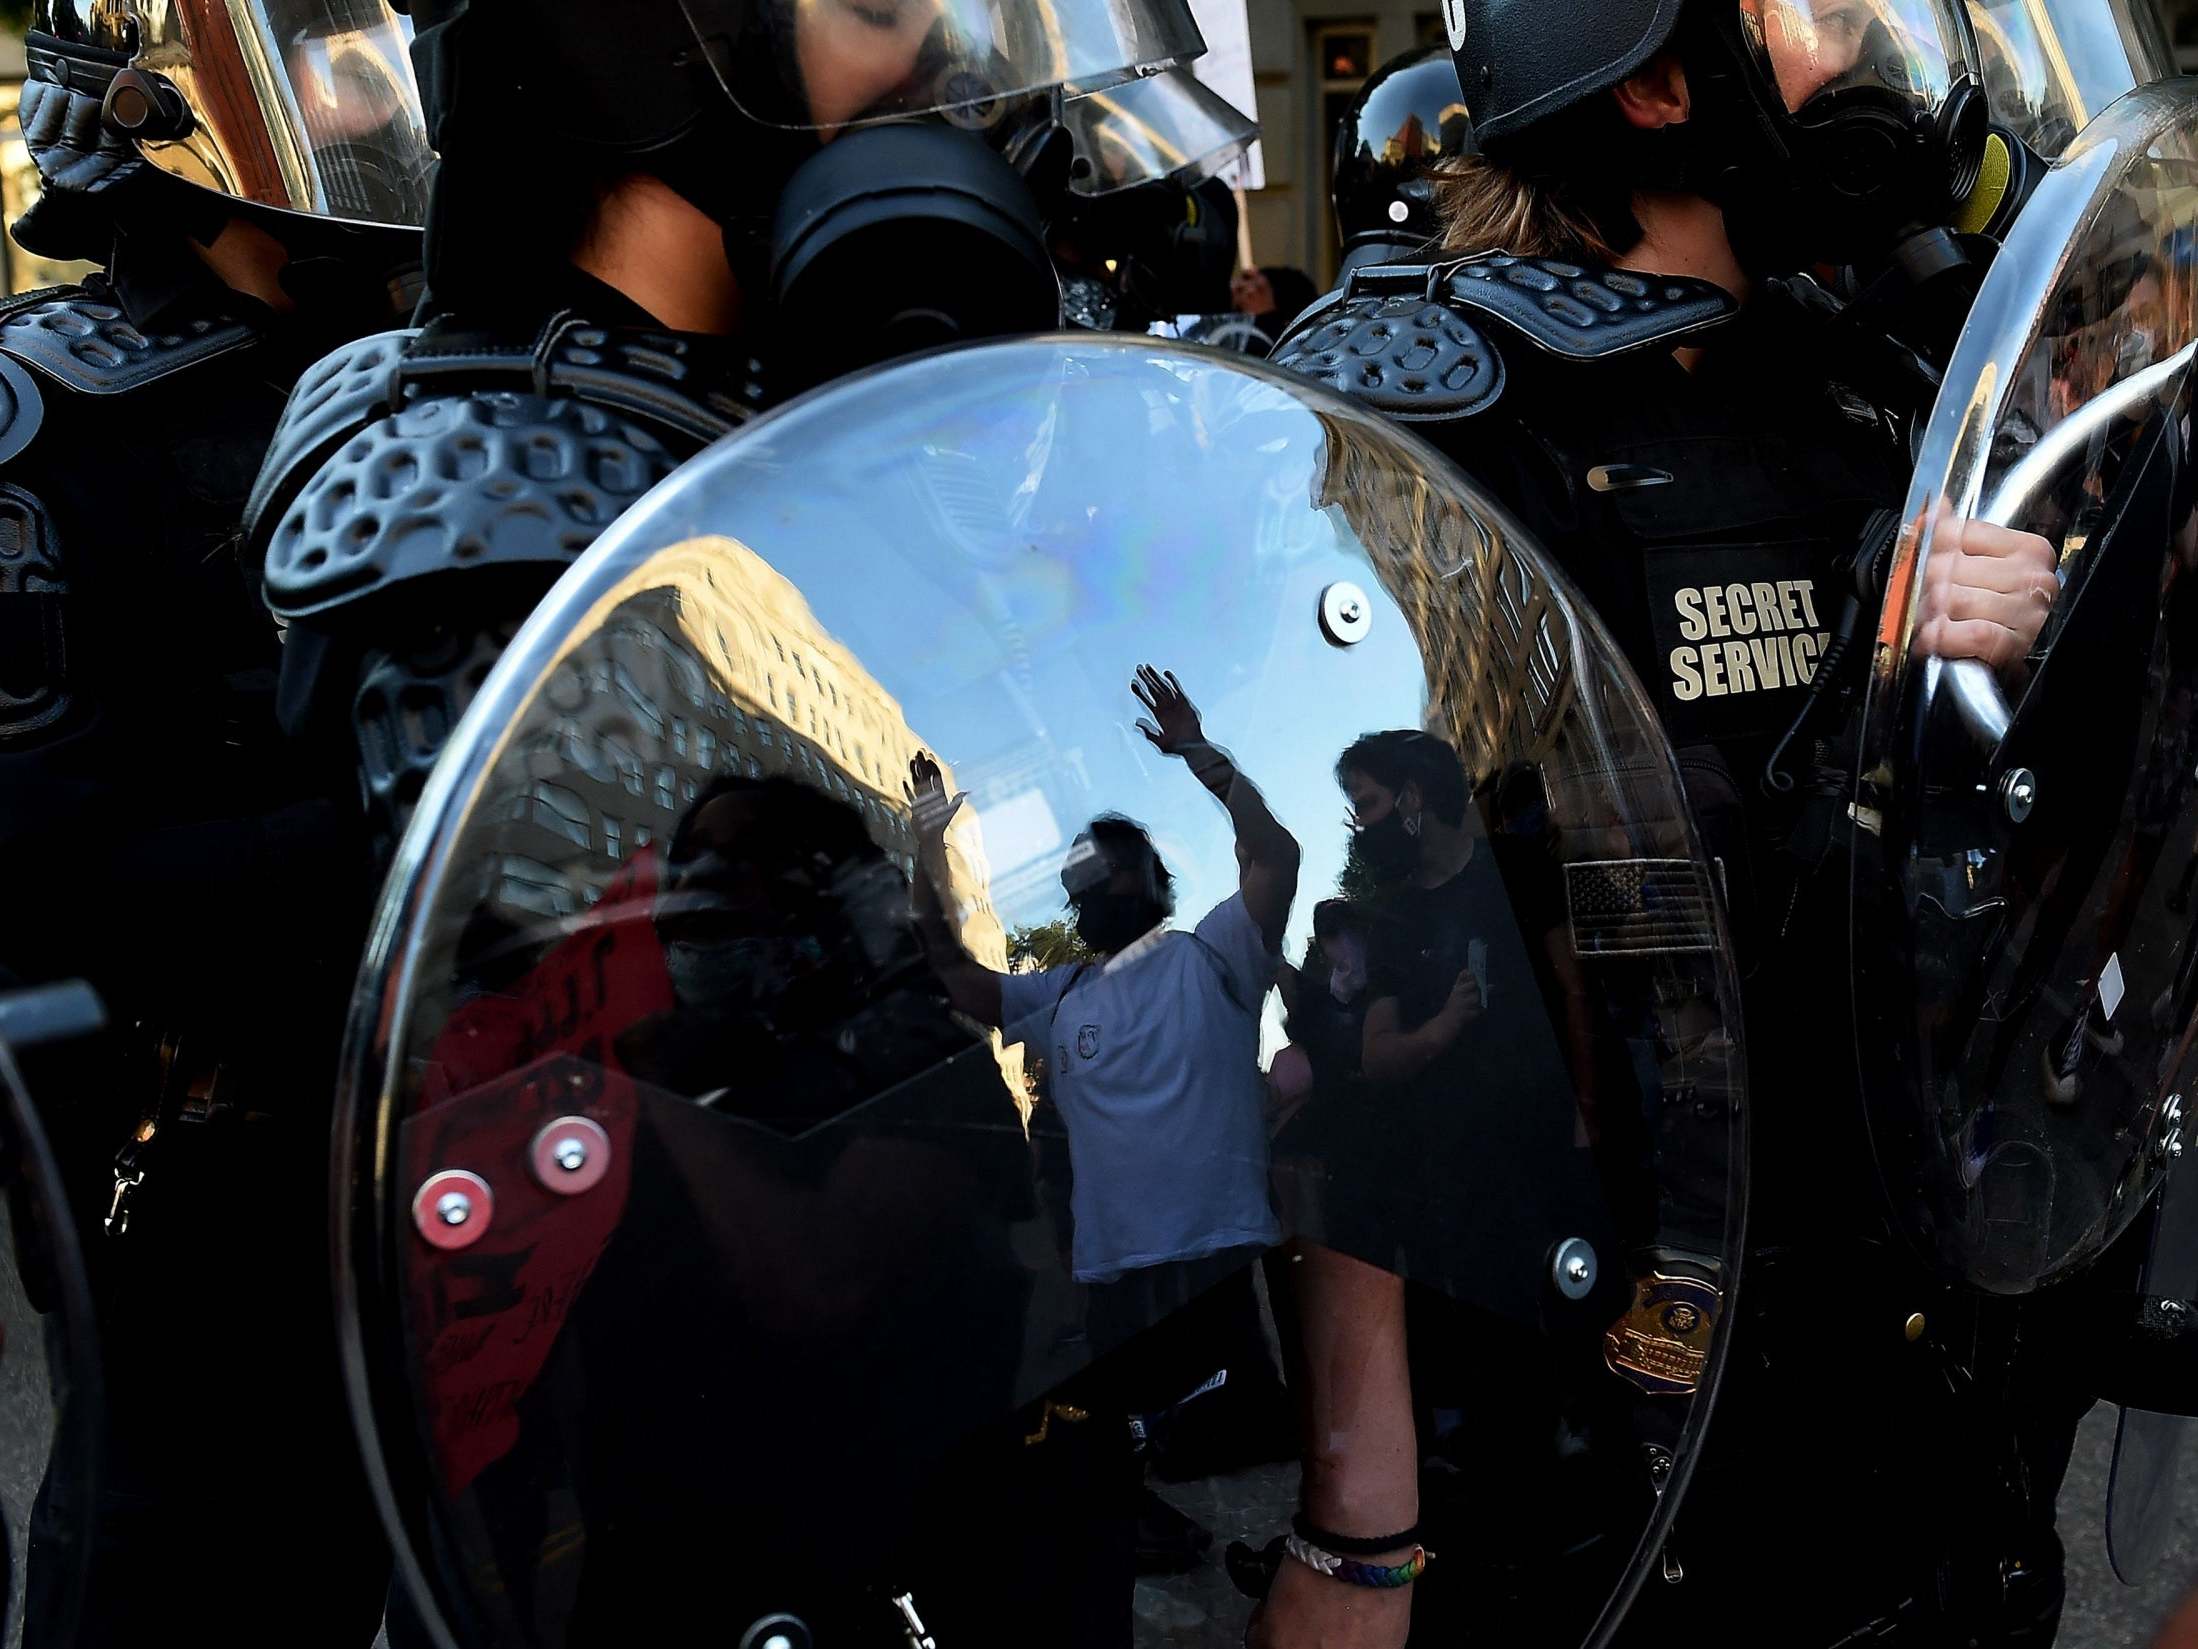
x=1152 y=1048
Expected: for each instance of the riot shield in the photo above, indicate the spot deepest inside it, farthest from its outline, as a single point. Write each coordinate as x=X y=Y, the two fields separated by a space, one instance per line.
x=873 y=1117
x=2025 y=840
x=2051 y=65
x=49 y=1353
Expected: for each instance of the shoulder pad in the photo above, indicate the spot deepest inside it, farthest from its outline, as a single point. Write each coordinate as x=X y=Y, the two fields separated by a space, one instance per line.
x=1584 y=313
x=88 y=345
x=450 y=481
x=1426 y=341
x=679 y=386
x=339 y=395
x=22 y=411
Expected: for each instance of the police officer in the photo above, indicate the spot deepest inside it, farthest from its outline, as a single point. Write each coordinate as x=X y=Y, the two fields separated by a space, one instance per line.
x=161 y=846
x=740 y=203
x=1675 y=421
x=1405 y=122
x=648 y=221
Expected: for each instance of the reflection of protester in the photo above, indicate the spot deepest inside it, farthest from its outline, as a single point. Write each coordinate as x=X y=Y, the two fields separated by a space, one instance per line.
x=1456 y=1148
x=1152 y=1054
x=1326 y=998
x=1154 y=1048
x=798 y=974
x=1273 y=296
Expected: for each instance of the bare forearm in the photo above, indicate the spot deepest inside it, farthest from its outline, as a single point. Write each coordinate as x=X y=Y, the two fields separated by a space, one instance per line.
x=1260 y=836
x=970 y=985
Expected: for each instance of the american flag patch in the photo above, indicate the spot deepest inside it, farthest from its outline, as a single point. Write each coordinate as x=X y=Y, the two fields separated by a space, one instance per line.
x=1639 y=907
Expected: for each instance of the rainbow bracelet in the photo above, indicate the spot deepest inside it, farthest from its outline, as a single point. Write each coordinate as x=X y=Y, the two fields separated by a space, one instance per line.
x=1357 y=1574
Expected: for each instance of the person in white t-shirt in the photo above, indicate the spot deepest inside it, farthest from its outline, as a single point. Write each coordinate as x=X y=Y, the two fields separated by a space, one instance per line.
x=1152 y=1048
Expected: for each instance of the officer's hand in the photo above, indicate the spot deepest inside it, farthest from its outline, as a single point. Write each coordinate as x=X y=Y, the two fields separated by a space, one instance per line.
x=1464 y=1004
x=928 y=802
x=1987 y=593
x=1174 y=725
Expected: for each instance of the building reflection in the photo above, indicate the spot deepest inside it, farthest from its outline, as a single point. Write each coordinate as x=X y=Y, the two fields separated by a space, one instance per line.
x=714 y=664
x=1496 y=642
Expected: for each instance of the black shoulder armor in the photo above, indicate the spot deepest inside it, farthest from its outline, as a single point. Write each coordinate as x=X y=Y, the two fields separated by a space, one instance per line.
x=412 y=453
x=86 y=344
x=1420 y=342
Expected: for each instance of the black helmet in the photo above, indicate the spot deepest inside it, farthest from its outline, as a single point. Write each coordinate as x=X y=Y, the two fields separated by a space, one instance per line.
x=912 y=137
x=1823 y=132
x=1521 y=61
x=1404 y=121
x=298 y=112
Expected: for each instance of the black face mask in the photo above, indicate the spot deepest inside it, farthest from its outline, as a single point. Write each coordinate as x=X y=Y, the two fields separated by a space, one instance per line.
x=1109 y=922
x=1390 y=851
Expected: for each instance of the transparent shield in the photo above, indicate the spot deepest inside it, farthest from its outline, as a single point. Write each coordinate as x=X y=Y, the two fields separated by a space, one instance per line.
x=1015 y=929
x=1170 y=126
x=830 y=64
x=49 y=1384
x=2050 y=65
x=2026 y=839
x=306 y=105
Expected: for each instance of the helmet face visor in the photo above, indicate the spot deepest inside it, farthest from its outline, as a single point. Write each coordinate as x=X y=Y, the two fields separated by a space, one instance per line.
x=1815 y=51
x=826 y=64
x=304 y=105
x=1170 y=126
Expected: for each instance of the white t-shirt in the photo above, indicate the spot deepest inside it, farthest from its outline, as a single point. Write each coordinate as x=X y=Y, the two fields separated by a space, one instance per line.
x=1154 y=1062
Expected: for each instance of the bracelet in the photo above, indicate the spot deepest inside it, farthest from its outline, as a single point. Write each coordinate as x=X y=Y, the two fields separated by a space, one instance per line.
x=1352 y=1545
x=1358 y=1574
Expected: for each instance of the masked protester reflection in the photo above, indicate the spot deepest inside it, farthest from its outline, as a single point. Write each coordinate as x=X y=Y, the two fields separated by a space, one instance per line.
x=1438 y=1180
x=1152 y=1047
x=1151 y=1050
x=797 y=972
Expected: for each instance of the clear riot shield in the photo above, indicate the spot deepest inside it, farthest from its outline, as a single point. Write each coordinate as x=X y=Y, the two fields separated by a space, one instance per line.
x=874 y=1118
x=2023 y=874
x=2051 y=65
x=49 y=1350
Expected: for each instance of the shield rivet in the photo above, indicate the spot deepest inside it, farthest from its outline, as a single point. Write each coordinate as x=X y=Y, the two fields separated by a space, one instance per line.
x=1572 y=1268
x=1345 y=614
x=452 y=1209
x=2019 y=793
x=1913 y=1327
x=570 y=1155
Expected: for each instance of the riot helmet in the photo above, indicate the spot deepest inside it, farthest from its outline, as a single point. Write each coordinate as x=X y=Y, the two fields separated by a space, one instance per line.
x=1162 y=249
x=1825 y=129
x=875 y=170
x=1404 y=122
x=304 y=108
x=1149 y=227
x=1168 y=127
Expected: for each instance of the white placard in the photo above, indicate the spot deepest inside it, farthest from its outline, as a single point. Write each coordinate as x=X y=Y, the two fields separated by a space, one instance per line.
x=1227 y=69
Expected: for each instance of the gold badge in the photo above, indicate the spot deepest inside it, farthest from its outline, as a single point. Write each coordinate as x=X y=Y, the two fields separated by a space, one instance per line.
x=1662 y=1342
